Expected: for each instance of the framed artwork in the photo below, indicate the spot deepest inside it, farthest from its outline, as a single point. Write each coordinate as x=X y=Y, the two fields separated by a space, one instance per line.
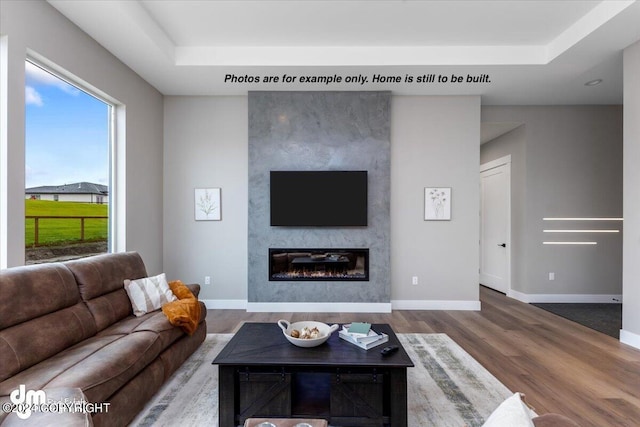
x=207 y=204
x=437 y=203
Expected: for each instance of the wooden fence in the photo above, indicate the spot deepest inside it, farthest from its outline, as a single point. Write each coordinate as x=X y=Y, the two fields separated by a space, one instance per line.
x=82 y=219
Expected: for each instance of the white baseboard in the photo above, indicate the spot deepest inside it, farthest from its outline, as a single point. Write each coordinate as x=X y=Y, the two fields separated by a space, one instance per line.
x=630 y=338
x=340 y=307
x=230 y=304
x=435 y=305
x=564 y=298
x=319 y=307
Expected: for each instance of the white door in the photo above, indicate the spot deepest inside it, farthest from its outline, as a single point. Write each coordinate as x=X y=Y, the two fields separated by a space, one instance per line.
x=495 y=245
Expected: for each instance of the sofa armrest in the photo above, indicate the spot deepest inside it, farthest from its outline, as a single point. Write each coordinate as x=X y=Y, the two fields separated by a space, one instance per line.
x=194 y=288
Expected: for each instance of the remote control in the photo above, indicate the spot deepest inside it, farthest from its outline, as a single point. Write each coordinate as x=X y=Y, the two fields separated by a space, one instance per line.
x=389 y=350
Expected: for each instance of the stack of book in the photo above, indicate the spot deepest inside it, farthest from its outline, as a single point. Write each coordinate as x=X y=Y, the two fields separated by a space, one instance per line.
x=362 y=335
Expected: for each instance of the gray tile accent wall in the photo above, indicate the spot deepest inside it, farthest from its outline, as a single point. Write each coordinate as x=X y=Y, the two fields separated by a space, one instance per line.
x=319 y=131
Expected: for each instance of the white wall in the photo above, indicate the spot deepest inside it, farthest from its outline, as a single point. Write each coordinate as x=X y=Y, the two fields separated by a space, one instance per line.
x=570 y=166
x=630 y=333
x=435 y=142
x=206 y=145
x=37 y=28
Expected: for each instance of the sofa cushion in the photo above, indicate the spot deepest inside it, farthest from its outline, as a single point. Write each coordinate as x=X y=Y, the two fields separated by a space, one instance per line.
x=35 y=301
x=153 y=322
x=101 y=274
x=148 y=293
x=100 y=282
x=98 y=365
x=39 y=375
x=132 y=397
x=102 y=373
x=33 y=291
x=28 y=343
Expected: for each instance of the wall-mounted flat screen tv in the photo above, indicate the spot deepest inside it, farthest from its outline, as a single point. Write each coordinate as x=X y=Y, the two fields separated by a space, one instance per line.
x=319 y=198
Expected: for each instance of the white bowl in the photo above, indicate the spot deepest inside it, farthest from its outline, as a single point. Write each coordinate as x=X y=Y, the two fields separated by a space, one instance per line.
x=325 y=332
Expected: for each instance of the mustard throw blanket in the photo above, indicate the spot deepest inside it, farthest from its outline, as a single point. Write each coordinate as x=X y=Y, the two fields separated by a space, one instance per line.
x=185 y=312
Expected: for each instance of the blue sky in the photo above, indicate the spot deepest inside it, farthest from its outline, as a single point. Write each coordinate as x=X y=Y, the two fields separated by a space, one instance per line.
x=66 y=132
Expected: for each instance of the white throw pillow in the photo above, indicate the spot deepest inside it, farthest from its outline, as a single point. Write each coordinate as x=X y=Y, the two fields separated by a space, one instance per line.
x=148 y=294
x=511 y=413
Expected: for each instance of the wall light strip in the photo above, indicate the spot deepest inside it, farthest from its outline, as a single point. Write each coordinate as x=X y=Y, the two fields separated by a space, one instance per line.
x=581 y=231
x=583 y=219
x=569 y=243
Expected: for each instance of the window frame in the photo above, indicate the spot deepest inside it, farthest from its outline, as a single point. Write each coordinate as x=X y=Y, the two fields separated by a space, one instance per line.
x=116 y=237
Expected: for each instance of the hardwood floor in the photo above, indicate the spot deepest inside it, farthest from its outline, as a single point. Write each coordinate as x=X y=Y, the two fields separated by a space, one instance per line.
x=560 y=365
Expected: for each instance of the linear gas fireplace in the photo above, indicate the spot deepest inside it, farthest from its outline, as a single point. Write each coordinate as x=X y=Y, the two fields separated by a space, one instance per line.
x=318 y=264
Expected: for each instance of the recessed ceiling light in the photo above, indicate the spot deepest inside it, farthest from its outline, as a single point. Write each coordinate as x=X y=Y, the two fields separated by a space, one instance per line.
x=593 y=82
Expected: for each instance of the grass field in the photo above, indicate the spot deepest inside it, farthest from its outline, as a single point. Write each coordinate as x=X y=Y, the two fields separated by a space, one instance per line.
x=63 y=231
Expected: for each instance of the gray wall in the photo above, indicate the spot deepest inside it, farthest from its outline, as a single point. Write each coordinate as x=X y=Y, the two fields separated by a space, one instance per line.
x=566 y=163
x=434 y=141
x=206 y=146
x=35 y=27
x=631 y=288
x=319 y=131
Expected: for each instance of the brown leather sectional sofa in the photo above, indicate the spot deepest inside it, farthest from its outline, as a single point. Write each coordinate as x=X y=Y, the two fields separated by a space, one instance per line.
x=69 y=326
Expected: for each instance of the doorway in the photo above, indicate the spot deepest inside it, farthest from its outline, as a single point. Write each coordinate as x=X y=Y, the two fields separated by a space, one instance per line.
x=495 y=224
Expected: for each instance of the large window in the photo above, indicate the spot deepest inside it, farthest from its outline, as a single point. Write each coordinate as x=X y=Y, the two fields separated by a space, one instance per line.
x=67 y=168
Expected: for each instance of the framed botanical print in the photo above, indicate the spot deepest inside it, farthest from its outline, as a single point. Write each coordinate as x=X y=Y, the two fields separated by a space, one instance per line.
x=207 y=204
x=437 y=203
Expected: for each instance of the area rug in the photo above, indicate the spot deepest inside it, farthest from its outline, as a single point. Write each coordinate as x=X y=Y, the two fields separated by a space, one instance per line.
x=447 y=387
x=602 y=317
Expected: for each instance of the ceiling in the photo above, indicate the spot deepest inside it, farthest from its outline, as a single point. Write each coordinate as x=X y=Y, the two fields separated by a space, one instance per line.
x=520 y=52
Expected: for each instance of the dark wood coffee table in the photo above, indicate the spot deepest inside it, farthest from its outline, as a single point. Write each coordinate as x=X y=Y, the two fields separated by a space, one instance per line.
x=261 y=374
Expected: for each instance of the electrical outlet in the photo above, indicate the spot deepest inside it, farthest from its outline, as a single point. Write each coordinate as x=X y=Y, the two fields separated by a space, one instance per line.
x=207 y=280
x=552 y=276
x=414 y=280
